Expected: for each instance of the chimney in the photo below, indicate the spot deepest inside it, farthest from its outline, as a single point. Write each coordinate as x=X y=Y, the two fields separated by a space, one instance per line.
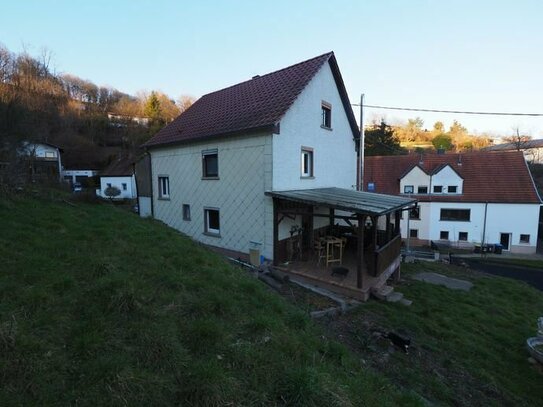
x=459 y=160
x=421 y=160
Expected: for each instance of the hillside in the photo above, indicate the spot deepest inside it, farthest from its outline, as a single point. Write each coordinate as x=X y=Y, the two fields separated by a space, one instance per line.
x=100 y=307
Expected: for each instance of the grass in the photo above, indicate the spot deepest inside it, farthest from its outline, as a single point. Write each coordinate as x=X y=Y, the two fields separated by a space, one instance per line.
x=530 y=263
x=468 y=348
x=99 y=307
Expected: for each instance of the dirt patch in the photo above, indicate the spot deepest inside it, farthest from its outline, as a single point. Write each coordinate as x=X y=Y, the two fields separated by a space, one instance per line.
x=305 y=299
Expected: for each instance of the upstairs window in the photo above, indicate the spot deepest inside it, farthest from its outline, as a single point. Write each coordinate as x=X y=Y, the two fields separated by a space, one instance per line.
x=212 y=222
x=163 y=187
x=210 y=164
x=438 y=189
x=326 y=115
x=422 y=190
x=452 y=189
x=455 y=215
x=408 y=189
x=307 y=162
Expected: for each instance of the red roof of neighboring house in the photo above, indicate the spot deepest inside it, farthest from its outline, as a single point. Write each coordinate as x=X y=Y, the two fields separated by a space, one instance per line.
x=256 y=104
x=488 y=177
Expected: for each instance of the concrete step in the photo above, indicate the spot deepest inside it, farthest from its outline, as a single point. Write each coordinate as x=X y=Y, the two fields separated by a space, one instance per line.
x=381 y=293
x=394 y=297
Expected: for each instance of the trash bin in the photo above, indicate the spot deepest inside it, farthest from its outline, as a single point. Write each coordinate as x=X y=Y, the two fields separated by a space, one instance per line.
x=254 y=253
x=498 y=248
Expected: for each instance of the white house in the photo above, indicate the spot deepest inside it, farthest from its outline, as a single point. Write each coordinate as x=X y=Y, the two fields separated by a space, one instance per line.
x=246 y=166
x=464 y=199
x=119 y=174
x=73 y=176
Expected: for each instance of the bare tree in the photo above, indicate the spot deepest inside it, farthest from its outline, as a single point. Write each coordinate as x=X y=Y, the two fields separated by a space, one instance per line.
x=184 y=102
x=518 y=140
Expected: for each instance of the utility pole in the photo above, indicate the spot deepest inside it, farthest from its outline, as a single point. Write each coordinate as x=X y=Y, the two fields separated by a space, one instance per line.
x=361 y=147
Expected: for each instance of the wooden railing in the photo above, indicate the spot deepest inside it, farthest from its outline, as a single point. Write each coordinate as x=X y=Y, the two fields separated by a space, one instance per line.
x=385 y=256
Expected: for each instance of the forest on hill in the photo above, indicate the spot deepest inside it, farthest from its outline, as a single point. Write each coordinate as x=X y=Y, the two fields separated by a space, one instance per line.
x=91 y=123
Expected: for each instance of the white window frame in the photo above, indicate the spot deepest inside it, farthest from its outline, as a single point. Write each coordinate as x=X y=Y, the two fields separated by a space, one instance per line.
x=452 y=186
x=307 y=151
x=521 y=241
x=207 y=229
x=326 y=115
x=163 y=187
x=207 y=153
x=407 y=188
x=463 y=240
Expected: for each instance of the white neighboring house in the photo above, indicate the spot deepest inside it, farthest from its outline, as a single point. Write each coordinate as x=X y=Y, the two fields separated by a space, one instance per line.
x=73 y=176
x=45 y=159
x=246 y=165
x=532 y=149
x=119 y=174
x=464 y=199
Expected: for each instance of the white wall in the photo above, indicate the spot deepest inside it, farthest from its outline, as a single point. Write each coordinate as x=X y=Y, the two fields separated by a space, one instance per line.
x=516 y=219
x=447 y=177
x=77 y=173
x=334 y=152
x=129 y=193
x=246 y=213
x=416 y=177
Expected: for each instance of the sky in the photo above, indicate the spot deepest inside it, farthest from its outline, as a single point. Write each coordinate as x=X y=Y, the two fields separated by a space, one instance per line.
x=448 y=55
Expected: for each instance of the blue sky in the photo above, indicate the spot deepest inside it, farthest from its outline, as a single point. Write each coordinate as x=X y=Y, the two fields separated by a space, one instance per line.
x=462 y=55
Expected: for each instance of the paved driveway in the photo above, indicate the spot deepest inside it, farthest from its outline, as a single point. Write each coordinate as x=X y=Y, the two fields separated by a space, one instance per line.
x=532 y=276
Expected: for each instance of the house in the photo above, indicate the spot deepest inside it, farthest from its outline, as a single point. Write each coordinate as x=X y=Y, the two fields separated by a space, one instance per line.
x=44 y=160
x=78 y=175
x=267 y=167
x=532 y=149
x=464 y=199
x=119 y=174
x=121 y=120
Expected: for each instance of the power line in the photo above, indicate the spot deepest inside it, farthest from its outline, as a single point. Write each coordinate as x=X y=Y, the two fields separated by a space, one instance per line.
x=450 y=111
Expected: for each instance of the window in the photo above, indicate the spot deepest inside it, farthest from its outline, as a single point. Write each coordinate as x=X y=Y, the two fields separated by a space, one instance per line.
x=326 y=115
x=414 y=233
x=163 y=187
x=210 y=164
x=456 y=215
x=307 y=162
x=414 y=213
x=452 y=189
x=463 y=236
x=444 y=235
x=212 y=224
x=109 y=184
x=124 y=186
x=186 y=212
x=50 y=154
x=524 y=238
x=408 y=189
x=422 y=190
x=438 y=189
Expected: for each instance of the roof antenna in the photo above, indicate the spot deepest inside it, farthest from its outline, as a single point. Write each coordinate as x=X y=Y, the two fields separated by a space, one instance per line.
x=460 y=159
x=421 y=159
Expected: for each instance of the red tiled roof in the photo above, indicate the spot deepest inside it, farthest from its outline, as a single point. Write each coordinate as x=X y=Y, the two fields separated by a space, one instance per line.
x=256 y=104
x=488 y=177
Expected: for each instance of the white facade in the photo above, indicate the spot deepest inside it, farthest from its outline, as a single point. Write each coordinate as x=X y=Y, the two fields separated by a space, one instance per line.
x=126 y=184
x=73 y=176
x=446 y=178
x=501 y=218
x=45 y=152
x=253 y=164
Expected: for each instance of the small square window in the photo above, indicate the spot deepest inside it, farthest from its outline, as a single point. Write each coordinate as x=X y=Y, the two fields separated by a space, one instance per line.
x=408 y=189
x=452 y=189
x=463 y=236
x=186 y=212
x=422 y=190
x=444 y=235
x=307 y=162
x=124 y=186
x=438 y=189
x=524 y=238
x=413 y=233
x=326 y=115
x=163 y=187
x=212 y=223
x=414 y=213
x=210 y=164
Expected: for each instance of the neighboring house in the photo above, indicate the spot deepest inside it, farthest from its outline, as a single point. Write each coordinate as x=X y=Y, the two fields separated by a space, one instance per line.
x=44 y=160
x=119 y=174
x=120 y=120
x=464 y=199
x=532 y=149
x=266 y=166
x=82 y=176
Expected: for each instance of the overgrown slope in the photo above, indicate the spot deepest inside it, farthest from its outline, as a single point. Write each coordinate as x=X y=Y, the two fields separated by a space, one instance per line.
x=100 y=307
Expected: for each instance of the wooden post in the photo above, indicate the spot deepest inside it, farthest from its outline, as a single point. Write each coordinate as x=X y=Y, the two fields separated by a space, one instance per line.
x=397 y=222
x=374 y=244
x=388 y=228
x=332 y=217
x=275 y=231
x=360 y=250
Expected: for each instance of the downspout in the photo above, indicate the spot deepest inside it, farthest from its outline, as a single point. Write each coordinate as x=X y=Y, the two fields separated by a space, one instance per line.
x=484 y=229
x=152 y=189
x=361 y=147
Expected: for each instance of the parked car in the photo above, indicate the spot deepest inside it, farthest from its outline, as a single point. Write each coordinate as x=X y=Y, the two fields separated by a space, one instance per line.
x=76 y=187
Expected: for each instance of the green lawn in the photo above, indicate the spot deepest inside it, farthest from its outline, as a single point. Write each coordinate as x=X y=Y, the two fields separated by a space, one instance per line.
x=99 y=307
x=535 y=264
x=468 y=348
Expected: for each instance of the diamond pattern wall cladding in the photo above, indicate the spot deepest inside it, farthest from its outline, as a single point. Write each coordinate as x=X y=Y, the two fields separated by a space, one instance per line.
x=244 y=175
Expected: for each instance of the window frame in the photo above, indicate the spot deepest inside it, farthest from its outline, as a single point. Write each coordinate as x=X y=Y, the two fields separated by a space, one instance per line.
x=311 y=161
x=417 y=210
x=209 y=153
x=419 y=189
x=326 y=115
x=207 y=229
x=443 y=233
x=406 y=188
x=440 y=189
x=125 y=186
x=163 y=183
x=450 y=219
x=524 y=241
x=455 y=189
x=186 y=212
x=411 y=233
x=463 y=240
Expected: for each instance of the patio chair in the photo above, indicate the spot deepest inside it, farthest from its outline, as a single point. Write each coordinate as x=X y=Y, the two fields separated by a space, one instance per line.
x=320 y=250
